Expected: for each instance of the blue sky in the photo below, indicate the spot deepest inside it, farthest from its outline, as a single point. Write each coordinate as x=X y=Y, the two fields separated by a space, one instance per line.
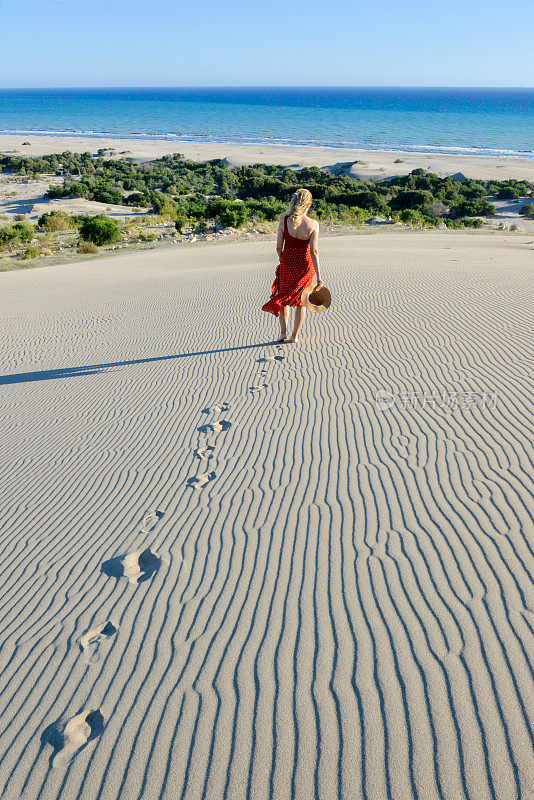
x=352 y=43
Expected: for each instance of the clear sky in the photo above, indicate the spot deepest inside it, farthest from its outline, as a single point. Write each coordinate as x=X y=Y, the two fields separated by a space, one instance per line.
x=233 y=42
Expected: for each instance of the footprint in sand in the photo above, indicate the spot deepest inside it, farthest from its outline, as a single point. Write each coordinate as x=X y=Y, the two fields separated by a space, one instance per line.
x=215 y=427
x=258 y=388
x=138 y=566
x=94 y=636
x=219 y=408
x=67 y=737
x=204 y=453
x=151 y=519
x=269 y=358
x=201 y=480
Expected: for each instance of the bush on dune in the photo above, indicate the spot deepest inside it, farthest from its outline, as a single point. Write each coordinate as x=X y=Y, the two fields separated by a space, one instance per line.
x=32 y=252
x=100 y=230
x=164 y=205
x=481 y=208
x=107 y=194
x=136 y=199
x=7 y=236
x=412 y=199
x=24 y=231
x=233 y=216
x=55 y=221
x=471 y=222
x=229 y=213
x=88 y=248
x=512 y=189
x=180 y=222
x=527 y=210
x=269 y=210
x=12 y=234
x=411 y=216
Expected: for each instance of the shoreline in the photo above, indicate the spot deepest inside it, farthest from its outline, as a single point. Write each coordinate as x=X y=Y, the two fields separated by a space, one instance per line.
x=374 y=163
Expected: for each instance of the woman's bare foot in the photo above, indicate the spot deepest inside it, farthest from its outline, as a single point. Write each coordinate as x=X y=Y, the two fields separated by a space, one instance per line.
x=292 y=340
x=282 y=338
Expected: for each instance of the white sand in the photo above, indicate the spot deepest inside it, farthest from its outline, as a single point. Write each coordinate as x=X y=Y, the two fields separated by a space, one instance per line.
x=225 y=571
x=376 y=163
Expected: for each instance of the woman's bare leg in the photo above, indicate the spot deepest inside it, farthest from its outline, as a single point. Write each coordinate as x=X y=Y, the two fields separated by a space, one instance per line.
x=283 y=316
x=300 y=316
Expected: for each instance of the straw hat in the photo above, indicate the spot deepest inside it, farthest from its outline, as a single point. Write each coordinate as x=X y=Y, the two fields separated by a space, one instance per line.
x=316 y=299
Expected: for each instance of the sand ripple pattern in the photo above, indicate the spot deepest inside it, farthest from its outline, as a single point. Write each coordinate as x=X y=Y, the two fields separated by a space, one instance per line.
x=227 y=574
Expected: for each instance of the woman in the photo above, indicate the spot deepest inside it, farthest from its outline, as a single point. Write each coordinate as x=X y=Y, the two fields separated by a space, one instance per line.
x=298 y=250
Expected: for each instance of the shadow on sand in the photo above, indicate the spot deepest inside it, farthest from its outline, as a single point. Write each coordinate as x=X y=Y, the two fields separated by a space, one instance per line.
x=94 y=369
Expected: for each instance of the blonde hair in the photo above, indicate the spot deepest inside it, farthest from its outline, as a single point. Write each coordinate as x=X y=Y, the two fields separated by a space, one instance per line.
x=298 y=205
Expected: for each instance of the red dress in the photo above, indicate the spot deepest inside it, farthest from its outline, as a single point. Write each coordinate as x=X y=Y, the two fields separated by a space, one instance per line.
x=294 y=273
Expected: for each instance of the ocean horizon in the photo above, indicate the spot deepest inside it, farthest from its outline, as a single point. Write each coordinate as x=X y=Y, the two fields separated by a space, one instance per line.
x=456 y=121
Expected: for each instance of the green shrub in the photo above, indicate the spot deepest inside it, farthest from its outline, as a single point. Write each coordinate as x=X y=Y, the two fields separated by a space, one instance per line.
x=368 y=200
x=164 y=205
x=136 y=199
x=472 y=222
x=412 y=199
x=24 y=231
x=107 y=194
x=509 y=193
x=7 y=236
x=527 y=210
x=217 y=205
x=481 y=208
x=87 y=247
x=511 y=189
x=32 y=252
x=234 y=215
x=180 y=222
x=55 y=221
x=100 y=230
x=268 y=210
x=19 y=232
x=411 y=216
x=54 y=192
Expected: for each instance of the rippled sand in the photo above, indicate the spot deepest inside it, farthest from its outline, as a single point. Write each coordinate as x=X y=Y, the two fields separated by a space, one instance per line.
x=227 y=571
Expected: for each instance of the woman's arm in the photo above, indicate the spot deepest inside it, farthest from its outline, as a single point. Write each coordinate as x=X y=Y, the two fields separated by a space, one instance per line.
x=280 y=238
x=314 y=252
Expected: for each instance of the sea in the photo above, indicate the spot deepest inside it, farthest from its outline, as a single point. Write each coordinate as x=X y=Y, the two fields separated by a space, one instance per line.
x=462 y=121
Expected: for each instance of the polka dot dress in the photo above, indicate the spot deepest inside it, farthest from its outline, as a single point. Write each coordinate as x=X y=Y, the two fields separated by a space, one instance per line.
x=294 y=273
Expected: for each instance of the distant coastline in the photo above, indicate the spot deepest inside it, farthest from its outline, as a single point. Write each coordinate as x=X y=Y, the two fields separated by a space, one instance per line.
x=473 y=122
x=433 y=150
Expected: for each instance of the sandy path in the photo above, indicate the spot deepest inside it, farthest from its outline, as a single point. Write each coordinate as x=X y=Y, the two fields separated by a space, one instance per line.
x=226 y=572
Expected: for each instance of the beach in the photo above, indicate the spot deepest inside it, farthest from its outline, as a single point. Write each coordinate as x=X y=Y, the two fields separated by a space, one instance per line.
x=376 y=164
x=239 y=570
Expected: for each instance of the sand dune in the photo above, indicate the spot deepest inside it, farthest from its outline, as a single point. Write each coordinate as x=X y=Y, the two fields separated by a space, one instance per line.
x=293 y=589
